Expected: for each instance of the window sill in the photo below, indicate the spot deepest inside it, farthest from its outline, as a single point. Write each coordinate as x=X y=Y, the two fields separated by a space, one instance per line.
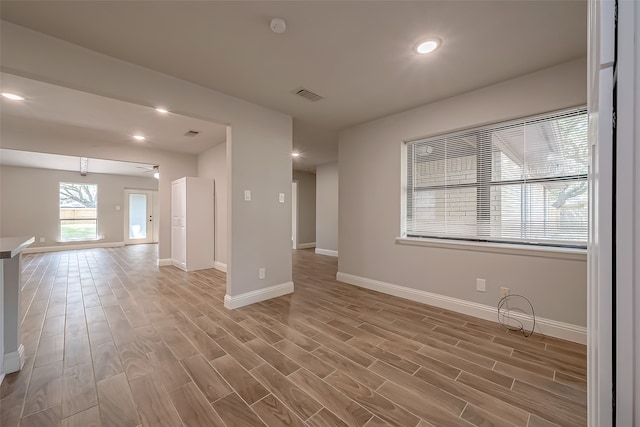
x=501 y=248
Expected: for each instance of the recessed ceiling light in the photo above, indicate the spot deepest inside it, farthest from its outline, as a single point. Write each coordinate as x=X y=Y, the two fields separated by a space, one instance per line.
x=295 y=154
x=278 y=25
x=427 y=46
x=12 y=96
x=162 y=110
x=139 y=137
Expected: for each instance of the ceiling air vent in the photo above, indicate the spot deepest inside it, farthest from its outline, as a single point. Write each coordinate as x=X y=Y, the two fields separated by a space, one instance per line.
x=307 y=94
x=192 y=133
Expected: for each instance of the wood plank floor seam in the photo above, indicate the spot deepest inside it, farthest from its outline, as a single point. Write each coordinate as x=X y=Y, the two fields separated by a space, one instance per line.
x=157 y=347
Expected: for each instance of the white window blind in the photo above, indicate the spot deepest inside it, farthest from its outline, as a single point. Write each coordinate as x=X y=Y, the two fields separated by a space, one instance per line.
x=523 y=181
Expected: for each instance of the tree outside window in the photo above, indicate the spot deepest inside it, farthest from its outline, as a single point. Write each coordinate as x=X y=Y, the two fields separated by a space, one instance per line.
x=78 y=211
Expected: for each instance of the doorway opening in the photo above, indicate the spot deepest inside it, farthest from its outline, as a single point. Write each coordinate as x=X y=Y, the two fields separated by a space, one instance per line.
x=294 y=214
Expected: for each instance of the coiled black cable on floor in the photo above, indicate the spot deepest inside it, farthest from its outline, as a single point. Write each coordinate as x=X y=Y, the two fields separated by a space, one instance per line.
x=507 y=320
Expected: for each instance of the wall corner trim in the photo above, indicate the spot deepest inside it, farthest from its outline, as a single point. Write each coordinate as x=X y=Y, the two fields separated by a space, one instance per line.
x=306 y=245
x=14 y=361
x=544 y=326
x=328 y=252
x=163 y=262
x=237 y=301
x=221 y=266
x=39 y=249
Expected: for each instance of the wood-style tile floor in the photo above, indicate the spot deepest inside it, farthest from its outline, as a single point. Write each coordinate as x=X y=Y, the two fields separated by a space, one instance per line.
x=113 y=340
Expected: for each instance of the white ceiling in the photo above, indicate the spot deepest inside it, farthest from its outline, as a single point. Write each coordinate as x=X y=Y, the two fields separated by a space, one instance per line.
x=357 y=55
x=96 y=117
x=28 y=159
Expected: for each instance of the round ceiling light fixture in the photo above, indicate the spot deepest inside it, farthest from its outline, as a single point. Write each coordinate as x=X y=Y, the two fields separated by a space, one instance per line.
x=278 y=25
x=427 y=46
x=295 y=154
x=162 y=110
x=139 y=137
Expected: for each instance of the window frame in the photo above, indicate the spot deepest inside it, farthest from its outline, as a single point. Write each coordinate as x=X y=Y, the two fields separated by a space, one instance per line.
x=484 y=180
x=60 y=219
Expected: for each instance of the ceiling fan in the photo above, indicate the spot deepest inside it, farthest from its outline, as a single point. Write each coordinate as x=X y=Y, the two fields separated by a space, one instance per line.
x=155 y=169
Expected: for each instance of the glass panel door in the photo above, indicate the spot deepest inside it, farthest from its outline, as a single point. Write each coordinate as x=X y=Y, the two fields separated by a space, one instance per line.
x=138 y=217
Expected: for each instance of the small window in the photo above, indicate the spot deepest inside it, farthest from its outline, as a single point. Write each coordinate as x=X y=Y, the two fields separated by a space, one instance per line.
x=78 y=211
x=523 y=181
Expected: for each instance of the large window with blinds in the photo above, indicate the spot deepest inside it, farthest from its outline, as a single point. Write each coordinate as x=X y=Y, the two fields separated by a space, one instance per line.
x=523 y=181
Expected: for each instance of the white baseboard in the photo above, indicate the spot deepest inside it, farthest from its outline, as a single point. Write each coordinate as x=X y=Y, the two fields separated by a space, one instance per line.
x=164 y=262
x=237 y=301
x=306 y=245
x=39 y=249
x=14 y=361
x=220 y=266
x=544 y=326
x=328 y=252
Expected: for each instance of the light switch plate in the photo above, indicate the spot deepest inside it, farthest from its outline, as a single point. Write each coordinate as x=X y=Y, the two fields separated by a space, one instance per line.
x=281 y=197
x=247 y=195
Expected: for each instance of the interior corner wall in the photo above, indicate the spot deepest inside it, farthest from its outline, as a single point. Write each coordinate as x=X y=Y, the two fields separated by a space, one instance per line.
x=212 y=164
x=371 y=197
x=31 y=202
x=327 y=207
x=259 y=143
x=306 y=206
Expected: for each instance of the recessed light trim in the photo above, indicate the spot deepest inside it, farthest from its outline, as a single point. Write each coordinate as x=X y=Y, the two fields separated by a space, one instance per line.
x=162 y=110
x=139 y=137
x=427 y=46
x=12 y=96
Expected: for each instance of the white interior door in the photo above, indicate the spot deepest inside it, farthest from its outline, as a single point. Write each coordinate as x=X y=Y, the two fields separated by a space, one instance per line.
x=294 y=215
x=138 y=217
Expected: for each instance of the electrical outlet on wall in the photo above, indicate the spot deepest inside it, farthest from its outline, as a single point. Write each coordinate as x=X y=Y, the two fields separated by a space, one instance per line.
x=504 y=292
x=481 y=285
x=42 y=240
x=261 y=273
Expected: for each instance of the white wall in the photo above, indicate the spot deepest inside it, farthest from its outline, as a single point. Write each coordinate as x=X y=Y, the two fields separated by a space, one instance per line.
x=327 y=208
x=212 y=164
x=31 y=201
x=259 y=143
x=306 y=207
x=371 y=195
